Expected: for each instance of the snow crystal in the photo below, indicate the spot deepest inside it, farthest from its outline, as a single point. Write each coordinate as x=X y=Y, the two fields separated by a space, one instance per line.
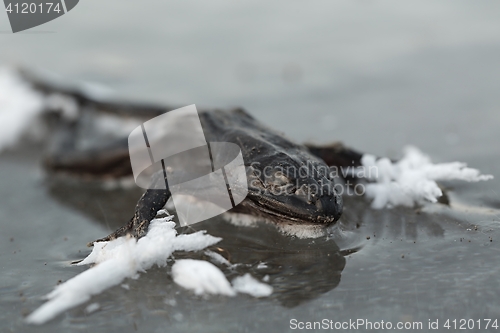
x=205 y=278
x=92 y=307
x=261 y=265
x=217 y=258
x=201 y=276
x=119 y=259
x=248 y=285
x=412 y=179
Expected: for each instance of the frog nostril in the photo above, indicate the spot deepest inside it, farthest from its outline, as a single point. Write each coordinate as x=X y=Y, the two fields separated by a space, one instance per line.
x=329 y=206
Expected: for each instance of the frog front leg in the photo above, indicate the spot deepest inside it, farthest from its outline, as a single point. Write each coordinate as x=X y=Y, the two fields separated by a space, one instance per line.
x=146 y=209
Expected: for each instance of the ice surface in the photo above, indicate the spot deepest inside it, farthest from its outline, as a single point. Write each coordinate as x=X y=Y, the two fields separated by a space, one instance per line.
x=412 y=179
x=117 y=260
x=124 y=257
x=249 y=285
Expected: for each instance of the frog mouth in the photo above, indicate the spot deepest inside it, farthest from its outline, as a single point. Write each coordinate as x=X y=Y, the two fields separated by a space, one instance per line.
x=326 y=210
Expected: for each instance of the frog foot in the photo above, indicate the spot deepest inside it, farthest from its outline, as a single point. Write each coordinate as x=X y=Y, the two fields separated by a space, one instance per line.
x=134 y=228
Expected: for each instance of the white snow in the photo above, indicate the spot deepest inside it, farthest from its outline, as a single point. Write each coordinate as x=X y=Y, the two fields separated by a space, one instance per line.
x=261 y=265
x=19 y=106
x=412 y=179
x=205 y=278
x=64 y=103
x=218 y=259
x=116 y=125
x=119 y=259
x=202 y=277
x=249 y=285
x=92 y=307
x=125 y=257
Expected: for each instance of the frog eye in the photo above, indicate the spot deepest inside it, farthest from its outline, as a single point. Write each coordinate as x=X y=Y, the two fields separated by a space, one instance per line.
x=277 y=178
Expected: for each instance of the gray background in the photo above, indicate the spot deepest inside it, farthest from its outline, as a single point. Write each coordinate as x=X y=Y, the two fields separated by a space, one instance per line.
x=375 y=74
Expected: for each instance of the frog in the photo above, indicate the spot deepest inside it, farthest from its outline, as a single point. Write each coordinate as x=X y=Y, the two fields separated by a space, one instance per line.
x=81 y=146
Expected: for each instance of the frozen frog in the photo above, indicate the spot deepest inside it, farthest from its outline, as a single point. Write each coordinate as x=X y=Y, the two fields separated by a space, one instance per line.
x=92 y=143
